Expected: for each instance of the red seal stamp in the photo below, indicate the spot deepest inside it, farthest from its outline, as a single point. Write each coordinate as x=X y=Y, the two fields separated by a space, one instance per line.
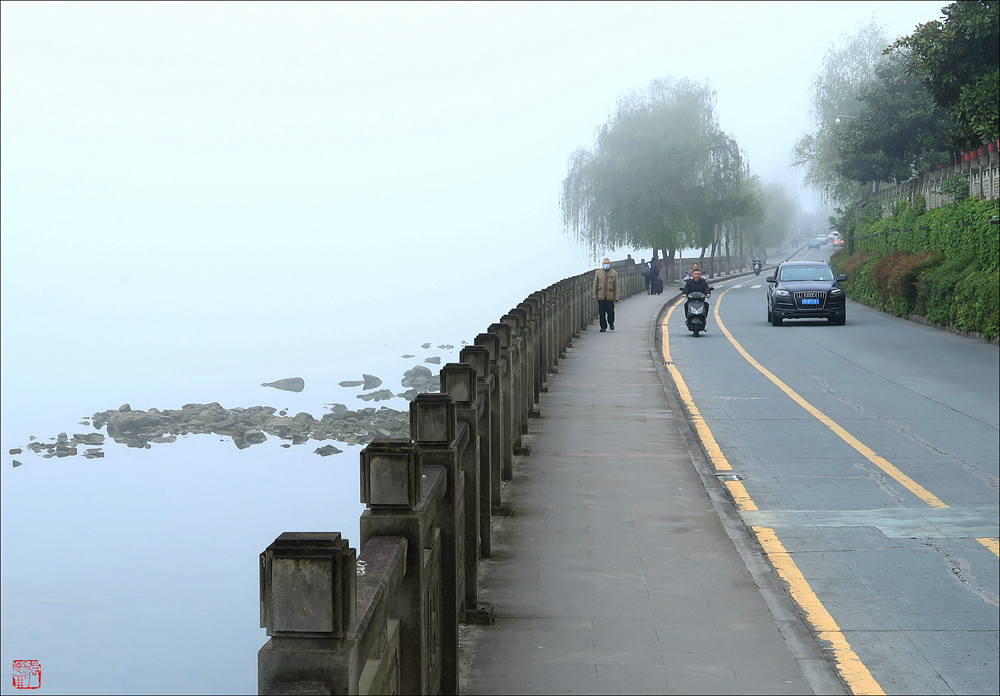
x=27 y=674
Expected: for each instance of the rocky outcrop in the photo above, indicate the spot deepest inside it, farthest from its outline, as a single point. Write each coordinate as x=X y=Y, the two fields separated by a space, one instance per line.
x=246 y=426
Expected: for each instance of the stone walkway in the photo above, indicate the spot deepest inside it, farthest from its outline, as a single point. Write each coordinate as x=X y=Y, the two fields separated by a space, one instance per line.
x=625 y=569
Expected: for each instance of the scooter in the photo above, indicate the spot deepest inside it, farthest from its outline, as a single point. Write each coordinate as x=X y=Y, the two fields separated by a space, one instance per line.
x=697 y=311
x=756 y=267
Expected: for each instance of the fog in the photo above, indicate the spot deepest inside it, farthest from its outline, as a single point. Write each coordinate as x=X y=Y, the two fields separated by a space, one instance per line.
x=197 y=198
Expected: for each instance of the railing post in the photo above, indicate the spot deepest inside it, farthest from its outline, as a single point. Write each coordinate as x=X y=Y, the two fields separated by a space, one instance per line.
x=403 y=499
x=308 y=595
x=500 y=449
x=438 y=438
x=459 y=382
x=515 y=321
x=525 y=311
x=489 y=434
x=533 y=305
x=508 y=414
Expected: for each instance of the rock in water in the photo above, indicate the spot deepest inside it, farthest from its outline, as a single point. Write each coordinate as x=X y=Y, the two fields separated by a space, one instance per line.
x=327 y=450
x=379 y=395
x=434 y=360
x=292 y=384
x=351 y=383
x=371 y=381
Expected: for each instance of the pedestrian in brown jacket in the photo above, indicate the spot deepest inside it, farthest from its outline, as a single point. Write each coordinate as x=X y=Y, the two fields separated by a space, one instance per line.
x=606 y=294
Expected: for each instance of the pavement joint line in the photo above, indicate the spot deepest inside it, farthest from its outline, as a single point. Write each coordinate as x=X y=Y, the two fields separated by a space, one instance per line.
x=837 y=429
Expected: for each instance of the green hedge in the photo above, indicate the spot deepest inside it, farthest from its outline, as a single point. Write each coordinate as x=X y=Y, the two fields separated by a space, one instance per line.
x=947 y=274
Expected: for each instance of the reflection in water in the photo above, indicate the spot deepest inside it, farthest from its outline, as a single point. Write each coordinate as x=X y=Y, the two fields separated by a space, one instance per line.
x=292 y=384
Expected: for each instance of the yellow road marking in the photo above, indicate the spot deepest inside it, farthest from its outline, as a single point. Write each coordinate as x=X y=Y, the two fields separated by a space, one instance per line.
x=740 y=496
x=712 y=449
x=992 y=544
x=854 y=442
x=853 y=671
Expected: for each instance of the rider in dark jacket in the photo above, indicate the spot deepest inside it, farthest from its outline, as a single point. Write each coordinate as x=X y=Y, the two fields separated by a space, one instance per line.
x=696 y=284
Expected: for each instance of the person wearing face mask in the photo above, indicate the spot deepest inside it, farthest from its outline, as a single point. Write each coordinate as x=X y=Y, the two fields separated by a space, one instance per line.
x=606 y=294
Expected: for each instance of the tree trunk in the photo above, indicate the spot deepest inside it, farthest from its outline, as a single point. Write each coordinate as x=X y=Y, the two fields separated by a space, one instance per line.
x=729 y=257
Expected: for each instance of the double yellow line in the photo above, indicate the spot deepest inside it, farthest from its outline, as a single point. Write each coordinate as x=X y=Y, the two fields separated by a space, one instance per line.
x=853 y=671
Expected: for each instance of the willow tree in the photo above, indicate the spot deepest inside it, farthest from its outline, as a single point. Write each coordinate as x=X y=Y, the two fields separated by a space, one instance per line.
x=641 y=184
x=835 y=91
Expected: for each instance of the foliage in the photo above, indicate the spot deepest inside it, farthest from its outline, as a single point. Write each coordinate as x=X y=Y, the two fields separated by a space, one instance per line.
x=960 y=66
x=899 y=129
x=947 y=272
x=835 y=88
x=956 y=187
x=661 y=174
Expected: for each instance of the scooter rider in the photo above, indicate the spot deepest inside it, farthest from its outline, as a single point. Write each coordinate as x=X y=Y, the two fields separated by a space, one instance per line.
x=696 y=284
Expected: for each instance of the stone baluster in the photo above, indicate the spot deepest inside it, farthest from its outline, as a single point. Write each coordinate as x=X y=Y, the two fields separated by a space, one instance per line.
x=529 y=331
x=532 y=304
x=515 y=321
x=500 y=449
x=460 y=383
x=440 y=439
x=308 y=595
x=488 y=390
x=508 y=368
x=549 y=318
x=403 y=498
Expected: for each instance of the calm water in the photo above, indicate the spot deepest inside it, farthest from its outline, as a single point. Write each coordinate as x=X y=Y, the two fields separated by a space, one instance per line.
x=137 y=573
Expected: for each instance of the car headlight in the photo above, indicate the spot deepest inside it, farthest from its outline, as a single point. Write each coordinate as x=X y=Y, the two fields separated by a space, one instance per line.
x=781 y=293
x=835 y=292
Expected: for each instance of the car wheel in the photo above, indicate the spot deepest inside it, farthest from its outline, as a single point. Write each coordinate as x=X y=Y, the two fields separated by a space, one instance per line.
x=768 y=315
x=841 y=320
x=775 y=320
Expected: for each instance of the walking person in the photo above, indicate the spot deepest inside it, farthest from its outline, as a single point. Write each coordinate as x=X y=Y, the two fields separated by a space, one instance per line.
x=645 y=274
x=654 y=273
x=606 y=294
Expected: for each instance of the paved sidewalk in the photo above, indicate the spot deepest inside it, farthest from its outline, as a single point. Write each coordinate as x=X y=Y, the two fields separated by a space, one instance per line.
x=625 y=569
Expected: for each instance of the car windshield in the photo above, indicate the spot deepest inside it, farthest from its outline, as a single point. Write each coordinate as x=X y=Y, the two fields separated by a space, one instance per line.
x=807 y=273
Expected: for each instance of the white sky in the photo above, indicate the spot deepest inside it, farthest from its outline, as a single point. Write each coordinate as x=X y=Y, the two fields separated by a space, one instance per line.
x=419 y=91
x=151 y=141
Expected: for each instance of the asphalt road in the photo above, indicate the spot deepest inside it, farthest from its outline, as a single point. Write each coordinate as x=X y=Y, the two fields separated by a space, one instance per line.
x=870 y=452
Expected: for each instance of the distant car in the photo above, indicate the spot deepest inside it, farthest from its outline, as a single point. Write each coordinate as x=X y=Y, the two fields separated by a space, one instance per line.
x=814 y=244
x=838 y=242
x=806 y=290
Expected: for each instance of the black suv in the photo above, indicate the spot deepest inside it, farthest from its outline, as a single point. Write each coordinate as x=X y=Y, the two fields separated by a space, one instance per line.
x=806 y=290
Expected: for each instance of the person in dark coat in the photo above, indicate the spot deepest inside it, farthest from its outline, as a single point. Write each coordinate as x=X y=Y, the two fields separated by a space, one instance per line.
x=654 y=272
x=696 y=284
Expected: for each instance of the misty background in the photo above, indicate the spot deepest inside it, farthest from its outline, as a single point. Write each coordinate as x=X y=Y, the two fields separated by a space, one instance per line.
x=199 y=198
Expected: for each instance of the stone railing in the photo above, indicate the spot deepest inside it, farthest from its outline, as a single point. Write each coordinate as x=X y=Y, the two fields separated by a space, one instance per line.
x=721 y=265
x=386 y=622
x=981 y=167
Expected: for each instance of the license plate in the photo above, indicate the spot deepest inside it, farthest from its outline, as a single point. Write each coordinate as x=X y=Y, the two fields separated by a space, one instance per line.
x=810 y=300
